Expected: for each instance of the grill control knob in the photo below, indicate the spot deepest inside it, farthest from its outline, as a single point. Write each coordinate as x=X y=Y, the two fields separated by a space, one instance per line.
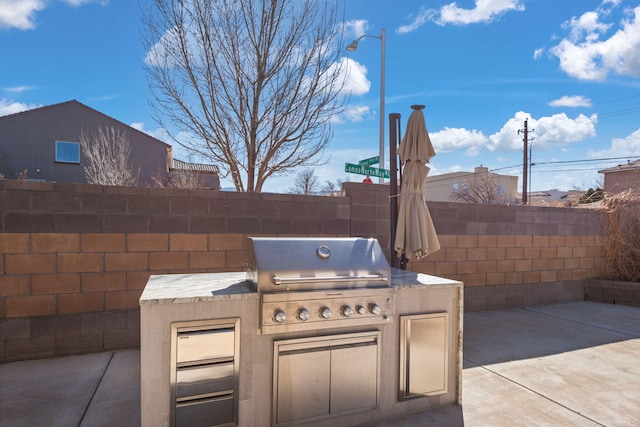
x=325 y=313
x=303 y=314
x=361 y=310
x=347 y=311
x=279 y=316
x=375 y=309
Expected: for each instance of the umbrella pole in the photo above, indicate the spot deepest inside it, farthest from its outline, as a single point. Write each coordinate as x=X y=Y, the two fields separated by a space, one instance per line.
x=394 y=137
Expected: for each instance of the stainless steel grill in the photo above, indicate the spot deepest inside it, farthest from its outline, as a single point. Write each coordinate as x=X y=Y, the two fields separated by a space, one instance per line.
x=317 y=283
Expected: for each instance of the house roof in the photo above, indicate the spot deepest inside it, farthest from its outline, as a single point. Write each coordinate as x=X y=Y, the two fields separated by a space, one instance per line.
x=179 y=165
x=635 y=165
x=77 y=103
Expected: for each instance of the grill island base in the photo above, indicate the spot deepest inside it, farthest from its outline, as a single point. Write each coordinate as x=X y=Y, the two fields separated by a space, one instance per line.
x=317 y=331
x=169 y=302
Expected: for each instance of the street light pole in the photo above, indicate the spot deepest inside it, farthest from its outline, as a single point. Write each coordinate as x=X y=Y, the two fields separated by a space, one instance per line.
x=352 y=47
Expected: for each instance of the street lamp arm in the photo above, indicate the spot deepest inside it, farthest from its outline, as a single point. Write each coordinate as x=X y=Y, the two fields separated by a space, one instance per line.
x=354 y=44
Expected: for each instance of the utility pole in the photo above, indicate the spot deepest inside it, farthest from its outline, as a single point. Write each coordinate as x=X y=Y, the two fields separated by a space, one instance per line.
x=525 y=161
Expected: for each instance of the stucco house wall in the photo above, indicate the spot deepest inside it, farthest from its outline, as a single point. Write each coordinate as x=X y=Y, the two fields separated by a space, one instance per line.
x=622 y=177
x=440 y=188
x=28 y=141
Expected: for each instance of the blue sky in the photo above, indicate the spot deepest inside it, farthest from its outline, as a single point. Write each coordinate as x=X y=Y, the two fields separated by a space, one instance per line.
x=481 y=67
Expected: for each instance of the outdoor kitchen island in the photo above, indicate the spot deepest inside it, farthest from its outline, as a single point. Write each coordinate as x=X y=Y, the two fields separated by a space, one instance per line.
x=210 y=357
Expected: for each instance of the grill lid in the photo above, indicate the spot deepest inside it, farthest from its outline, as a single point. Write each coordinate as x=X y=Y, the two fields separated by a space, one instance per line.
x=278 y=264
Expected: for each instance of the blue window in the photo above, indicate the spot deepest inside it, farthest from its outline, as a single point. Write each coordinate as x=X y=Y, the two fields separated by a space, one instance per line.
x=67 y=152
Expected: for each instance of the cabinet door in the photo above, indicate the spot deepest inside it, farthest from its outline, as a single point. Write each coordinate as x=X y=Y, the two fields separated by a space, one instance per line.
x=206 y=412
x=354 y=372
x=303 y=385
x=423 y=355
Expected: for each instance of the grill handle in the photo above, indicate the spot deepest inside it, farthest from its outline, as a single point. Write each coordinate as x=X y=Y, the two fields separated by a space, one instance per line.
x=282 y=280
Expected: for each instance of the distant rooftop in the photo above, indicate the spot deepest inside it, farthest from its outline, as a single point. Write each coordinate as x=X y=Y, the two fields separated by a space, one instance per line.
x=179 y=165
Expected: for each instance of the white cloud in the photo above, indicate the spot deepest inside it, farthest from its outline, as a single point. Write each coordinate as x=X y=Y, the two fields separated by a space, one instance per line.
x=417 y=21
x=484 y=11
x=620 y=147
x=158 y=133
x=18 y=89
x=554 y=131
x=11 y=107
x=571 y=101
x=356 y=77
x=354 y=114
x=583 y=54
x=20 y=14
x=450 y=139
x=537 y=54
x=356 y=27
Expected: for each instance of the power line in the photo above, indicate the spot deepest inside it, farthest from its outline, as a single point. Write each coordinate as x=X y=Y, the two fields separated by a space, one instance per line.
x=619 y=112
x=558 y=162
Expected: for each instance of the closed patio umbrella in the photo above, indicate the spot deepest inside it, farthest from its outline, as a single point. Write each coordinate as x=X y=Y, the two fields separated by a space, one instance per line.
x=415 y=233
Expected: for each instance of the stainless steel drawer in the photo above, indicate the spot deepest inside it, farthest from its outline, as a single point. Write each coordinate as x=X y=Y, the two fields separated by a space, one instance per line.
x=206 y=412
x=193 y=346
x=204 y=380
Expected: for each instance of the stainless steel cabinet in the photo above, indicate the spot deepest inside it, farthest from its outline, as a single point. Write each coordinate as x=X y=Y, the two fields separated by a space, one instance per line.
x=204 y=372
x=320 y=377
x=423 y=355
x=303 y=384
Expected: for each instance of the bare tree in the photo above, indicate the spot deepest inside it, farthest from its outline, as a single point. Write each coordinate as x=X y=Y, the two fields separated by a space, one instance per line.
x=333 y=188
x=178 y=179
x=306 y=182
x=481 y=188
x=254 y=82
x=106 y=157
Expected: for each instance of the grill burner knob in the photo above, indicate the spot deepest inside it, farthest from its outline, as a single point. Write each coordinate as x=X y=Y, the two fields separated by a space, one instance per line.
x=325 y=313
x=347 y=311
x=279 y=316
x=361 y=310
x=303 y=314
x=375 y=309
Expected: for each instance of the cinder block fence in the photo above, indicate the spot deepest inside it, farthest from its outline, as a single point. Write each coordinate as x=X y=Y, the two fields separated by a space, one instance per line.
x=75 y=258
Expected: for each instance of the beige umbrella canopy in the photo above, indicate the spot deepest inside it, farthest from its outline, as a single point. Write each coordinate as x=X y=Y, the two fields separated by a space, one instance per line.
x=415 y=233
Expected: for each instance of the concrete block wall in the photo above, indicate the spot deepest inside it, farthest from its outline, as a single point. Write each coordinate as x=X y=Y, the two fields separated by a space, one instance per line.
x=506 y=255
x=75 y=258
x=612 y=292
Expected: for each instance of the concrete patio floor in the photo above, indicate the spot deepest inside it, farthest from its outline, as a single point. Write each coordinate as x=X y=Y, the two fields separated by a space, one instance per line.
x=573 y=364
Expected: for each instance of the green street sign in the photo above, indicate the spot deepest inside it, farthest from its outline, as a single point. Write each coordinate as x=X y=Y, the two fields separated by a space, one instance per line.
x=370 y=161
x=365 y=170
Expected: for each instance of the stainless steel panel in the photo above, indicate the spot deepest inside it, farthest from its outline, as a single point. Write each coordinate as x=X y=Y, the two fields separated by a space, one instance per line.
x=354 y=377
x=205 y=345
x=313 y=301
x=204 y=380
x=303 y=385
x=206 y=412
x=423 y=355
x=200 y=364
x=279 y=264
x=323 y=376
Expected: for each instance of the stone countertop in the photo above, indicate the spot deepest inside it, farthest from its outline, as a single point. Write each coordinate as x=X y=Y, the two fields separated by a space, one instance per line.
x=410 y=279
x=178 y=288
x=175 y=288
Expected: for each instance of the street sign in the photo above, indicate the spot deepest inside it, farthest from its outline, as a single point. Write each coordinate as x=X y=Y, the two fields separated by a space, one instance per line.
x=365 y=170
x=370 y=161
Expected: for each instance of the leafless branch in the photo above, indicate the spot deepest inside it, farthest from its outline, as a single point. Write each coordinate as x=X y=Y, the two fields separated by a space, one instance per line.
x=306 y=182
x=254 y=82
x=106 y=157
x=481 y=188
